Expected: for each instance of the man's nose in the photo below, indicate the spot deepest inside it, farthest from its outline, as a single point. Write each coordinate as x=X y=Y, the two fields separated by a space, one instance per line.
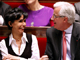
x=52 y=18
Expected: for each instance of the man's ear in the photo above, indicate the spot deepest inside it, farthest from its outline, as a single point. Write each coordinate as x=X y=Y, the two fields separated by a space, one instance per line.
x=10 y=24
x=65 y=19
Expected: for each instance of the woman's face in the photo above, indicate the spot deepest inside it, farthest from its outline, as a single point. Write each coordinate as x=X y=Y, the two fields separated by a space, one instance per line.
x=29 y=1
x=19 y=25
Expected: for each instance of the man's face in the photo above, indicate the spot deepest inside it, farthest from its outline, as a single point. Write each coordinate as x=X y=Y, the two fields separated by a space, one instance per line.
x=57 y=19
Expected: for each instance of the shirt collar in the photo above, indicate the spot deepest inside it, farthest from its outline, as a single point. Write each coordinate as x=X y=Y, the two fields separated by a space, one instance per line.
x=69 y=30
x=24 y=38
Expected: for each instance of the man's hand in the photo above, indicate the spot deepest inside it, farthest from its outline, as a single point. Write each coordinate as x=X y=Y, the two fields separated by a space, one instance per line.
x=44 y=57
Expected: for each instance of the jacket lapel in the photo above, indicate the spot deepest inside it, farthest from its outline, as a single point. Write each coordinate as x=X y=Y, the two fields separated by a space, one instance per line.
x=57 y=43
x=73 y=42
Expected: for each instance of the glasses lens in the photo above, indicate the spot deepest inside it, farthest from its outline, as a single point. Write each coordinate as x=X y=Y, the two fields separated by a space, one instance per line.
x=57 y=16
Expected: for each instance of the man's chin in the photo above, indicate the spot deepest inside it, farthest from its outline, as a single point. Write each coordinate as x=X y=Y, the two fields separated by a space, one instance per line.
x=54 y=26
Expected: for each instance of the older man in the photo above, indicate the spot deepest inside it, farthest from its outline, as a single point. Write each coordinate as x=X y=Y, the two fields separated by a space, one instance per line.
x=63 y=40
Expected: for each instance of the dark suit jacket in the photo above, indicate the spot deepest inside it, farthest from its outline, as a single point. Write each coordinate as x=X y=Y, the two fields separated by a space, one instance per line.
x=53 y=47
x=77 y=8
x=4 y=8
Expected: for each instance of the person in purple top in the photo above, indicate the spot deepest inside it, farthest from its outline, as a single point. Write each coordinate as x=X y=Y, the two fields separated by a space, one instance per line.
x=38 y=15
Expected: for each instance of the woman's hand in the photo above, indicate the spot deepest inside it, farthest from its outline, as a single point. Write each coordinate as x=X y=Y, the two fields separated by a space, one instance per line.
x=11 y=57
x=44 y=57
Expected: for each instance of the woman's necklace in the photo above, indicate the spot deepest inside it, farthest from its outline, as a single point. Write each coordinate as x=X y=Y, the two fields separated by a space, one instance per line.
x=32 y=23
x=32 y=16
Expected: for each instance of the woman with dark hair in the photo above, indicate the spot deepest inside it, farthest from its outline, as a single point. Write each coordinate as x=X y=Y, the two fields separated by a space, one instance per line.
x=18 y=45
x=39 y=15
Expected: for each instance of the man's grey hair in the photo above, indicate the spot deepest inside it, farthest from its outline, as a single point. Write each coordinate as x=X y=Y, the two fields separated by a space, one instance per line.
x=67 y=10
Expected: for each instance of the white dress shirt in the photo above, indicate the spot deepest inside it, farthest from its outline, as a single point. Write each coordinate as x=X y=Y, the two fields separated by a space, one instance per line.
x=12 y=42
x=68 y=40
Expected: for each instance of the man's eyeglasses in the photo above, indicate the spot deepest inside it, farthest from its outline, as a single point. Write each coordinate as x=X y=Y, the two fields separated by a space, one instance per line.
x=57 y=16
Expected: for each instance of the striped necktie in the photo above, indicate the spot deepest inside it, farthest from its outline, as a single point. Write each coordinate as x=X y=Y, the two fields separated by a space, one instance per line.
x=64 y=46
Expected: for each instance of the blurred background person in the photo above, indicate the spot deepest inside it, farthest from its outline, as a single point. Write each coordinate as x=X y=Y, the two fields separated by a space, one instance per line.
x=1 y=20
x=77 y=8
x=18 y=45
x=38 y=15
x=3 y=9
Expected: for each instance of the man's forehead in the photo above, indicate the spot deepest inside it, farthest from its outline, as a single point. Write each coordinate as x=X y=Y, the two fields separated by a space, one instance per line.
x=56 y=10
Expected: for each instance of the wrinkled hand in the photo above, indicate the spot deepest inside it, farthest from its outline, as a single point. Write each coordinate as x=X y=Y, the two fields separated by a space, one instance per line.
x=44 y=57
x=11 y=57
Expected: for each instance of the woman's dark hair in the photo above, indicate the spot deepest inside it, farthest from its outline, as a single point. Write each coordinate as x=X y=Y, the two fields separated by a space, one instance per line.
x=14 y=14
